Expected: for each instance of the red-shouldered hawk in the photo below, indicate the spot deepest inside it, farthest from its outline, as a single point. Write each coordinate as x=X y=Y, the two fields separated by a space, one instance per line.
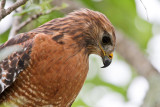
x=47 y=66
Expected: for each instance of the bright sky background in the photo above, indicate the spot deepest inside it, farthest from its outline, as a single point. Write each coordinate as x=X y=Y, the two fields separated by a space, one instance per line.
x=7 y=21
x=119 y=73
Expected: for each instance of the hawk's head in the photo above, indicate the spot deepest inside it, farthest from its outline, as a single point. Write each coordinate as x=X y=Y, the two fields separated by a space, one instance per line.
x=95 y=32
x=86 y=28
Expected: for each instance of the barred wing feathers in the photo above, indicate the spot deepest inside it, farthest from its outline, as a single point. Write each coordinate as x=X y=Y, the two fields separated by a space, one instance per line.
x=14 y=58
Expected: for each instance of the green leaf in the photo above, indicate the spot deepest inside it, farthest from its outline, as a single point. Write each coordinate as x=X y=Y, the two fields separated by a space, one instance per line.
x=4 y=36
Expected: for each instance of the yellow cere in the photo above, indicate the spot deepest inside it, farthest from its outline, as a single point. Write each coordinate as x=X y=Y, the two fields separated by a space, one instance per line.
x=111 y=55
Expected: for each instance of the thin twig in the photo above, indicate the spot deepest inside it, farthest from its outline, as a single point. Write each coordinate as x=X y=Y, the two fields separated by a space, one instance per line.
x=15 y=23
x=34 y=17
x=5 y=12
x=145 y=9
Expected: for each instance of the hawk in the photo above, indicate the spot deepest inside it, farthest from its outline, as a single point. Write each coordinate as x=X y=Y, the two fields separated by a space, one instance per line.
x=47 y=66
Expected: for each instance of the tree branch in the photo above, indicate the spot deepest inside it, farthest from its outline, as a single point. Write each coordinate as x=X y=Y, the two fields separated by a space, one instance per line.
x=3 y=2
x=18 y=27
x=5 y=12
x=133 y=55
x=34 y=17
x=16 y=22
x=29 y=20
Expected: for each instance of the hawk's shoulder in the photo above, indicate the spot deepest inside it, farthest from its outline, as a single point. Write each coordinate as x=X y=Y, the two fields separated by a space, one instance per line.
x=14 y=58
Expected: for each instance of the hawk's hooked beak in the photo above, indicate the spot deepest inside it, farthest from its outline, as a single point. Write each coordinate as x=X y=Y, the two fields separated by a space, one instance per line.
x=107 y=59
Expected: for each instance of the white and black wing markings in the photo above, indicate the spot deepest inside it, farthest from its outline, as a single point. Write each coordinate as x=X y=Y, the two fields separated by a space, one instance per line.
x=14 y=58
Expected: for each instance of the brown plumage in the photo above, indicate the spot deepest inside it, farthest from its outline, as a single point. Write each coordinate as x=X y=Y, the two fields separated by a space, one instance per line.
x=48 y=65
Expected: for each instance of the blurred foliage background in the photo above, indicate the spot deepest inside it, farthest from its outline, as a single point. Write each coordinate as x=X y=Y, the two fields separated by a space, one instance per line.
x=124 y=17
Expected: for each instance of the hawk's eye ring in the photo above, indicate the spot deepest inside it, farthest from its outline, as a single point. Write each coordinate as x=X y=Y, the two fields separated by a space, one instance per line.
x=106 y=40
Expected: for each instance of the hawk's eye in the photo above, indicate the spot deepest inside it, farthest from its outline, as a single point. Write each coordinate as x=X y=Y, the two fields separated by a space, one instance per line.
x=106 y=40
